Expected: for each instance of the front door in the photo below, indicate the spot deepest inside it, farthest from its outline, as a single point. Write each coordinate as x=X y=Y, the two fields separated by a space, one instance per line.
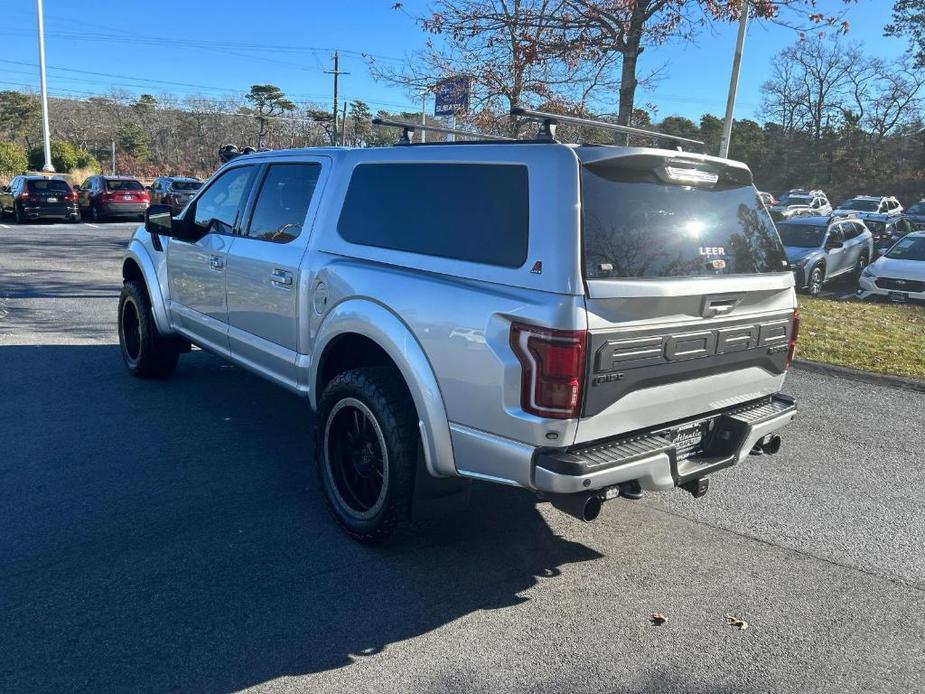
x=263 y=285
x=196 y=270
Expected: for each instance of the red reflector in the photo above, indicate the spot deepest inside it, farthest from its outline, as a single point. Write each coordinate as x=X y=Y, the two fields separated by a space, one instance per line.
x=794 y=336
x=552 y=363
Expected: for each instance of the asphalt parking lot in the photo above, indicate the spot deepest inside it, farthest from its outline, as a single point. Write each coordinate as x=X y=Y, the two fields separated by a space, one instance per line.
x=171 y=537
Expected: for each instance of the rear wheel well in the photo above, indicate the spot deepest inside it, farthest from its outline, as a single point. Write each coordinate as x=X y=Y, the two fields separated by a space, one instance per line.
x=349 y=351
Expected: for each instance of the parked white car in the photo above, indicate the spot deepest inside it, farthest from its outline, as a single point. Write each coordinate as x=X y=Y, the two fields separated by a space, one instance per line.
x=868 y=205
x=899 y=274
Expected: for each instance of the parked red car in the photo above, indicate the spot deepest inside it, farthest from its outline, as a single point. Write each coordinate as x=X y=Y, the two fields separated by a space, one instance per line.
x=102 y=197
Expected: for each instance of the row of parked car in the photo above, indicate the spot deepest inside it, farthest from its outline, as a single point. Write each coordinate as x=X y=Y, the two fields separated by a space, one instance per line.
x=870 y=239
x=30 y=198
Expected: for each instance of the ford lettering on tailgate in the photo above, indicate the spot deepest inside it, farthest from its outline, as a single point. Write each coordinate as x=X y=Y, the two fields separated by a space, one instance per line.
x=650 y=350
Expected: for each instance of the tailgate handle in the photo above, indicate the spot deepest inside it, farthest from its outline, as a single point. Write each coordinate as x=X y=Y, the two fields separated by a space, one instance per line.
x=719 y=305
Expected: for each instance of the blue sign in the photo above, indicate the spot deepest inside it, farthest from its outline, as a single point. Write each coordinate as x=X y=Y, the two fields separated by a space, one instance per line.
x=452 y=96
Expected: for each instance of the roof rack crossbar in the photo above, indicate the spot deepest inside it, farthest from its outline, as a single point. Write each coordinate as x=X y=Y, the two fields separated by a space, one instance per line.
x=408 y=129
x=548 y=122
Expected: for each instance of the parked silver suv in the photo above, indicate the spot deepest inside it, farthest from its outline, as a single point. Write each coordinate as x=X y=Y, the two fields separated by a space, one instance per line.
x=582 y=321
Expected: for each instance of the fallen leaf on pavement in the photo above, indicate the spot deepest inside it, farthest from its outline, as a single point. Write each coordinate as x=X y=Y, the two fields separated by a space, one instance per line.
x=657 y=618
x=740 y=624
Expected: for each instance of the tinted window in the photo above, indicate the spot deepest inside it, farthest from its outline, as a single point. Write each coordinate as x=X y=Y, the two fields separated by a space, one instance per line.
x=282 y=202
x=638 y=226
x=55 y=186
x=801 y=235
x=917 y=208
x=186 y=186
x=124 y=185
x=220 y=203
x=850 y=230
x=835 y=234
x=473 y=212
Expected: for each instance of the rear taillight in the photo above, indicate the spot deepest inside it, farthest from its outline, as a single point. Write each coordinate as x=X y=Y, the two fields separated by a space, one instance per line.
x=794 y=336
x=71 y=197
x=24 y=195
x=553 y=364
x=145 y=196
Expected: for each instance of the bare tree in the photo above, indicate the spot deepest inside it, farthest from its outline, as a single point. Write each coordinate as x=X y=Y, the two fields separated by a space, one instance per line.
x=513 y=51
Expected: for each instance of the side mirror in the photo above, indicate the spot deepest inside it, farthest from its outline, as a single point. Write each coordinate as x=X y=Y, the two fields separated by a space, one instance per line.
x=159 y=220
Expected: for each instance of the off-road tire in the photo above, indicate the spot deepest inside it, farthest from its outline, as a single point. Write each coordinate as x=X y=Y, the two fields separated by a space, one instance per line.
x=384 y=394
x=96 y=214
x=146 y=353
x=18 y=215
x=814 y=288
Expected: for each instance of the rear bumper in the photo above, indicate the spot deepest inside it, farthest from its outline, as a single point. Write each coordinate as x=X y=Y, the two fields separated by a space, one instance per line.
x=50 y=212
x=113 y=209
x=650 y=456
x=653 y=457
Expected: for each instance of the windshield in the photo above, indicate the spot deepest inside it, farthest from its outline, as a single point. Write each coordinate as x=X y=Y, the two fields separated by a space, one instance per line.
x=788 y=199
x=123 y=185
x=917 y=208
x=636 y=226
x=186 y=186
x=860 y=205
x=909 y=248
x=52 y=185
x=801 y=235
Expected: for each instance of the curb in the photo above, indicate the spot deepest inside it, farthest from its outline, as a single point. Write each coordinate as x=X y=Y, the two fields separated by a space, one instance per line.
x=903 y=382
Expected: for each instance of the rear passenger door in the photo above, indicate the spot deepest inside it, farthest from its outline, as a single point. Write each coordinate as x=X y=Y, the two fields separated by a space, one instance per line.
x=264 y=286
x=835 y=257
x=854 y=244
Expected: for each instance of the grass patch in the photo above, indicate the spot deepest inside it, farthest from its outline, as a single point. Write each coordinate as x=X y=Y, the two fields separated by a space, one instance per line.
x=885 y=338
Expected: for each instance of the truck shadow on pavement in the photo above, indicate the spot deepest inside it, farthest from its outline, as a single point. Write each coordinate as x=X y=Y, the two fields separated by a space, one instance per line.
x=172 y=536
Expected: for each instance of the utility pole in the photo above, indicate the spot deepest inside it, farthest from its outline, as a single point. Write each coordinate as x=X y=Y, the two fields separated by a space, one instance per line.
x=48 y=167
x=113 y=157
x=734 y=80
x=343 y=126
x=337 y=73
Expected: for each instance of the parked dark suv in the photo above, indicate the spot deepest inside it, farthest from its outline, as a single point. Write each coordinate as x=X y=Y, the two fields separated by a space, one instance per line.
x=37 y=197
x=174 y=191
x=102 y=197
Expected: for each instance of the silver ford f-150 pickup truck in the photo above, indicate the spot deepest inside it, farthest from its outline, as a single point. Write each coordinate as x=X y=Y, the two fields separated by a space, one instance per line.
x=585 y=322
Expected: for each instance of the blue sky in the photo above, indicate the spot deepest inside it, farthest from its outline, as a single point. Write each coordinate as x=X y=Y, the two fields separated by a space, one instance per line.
x=217 y=47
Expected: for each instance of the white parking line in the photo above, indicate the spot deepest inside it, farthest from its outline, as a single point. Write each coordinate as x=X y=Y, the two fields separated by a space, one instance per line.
x=91 y=225
x=4 y=226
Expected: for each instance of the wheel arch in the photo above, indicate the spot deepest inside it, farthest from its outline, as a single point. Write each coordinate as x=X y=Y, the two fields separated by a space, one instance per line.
x=137 y=265
x=361 y=332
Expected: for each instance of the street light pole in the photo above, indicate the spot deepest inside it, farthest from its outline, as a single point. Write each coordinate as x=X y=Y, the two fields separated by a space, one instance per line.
x=734 y=80
x=47 y=141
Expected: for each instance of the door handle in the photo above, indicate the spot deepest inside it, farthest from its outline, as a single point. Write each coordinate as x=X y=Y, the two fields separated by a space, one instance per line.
x=216 y=262
x=281 y=278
